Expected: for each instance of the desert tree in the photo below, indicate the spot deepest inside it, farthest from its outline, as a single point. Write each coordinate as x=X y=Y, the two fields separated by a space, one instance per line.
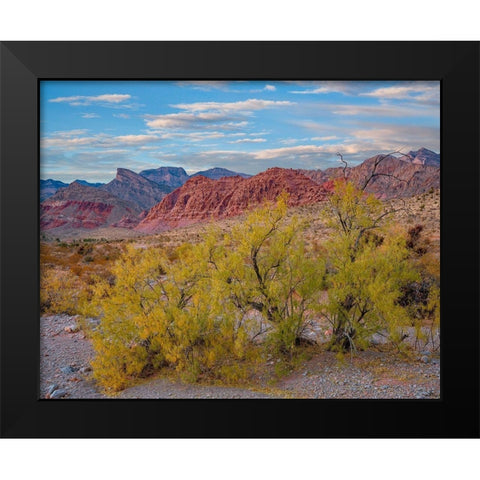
x=161 y=313
x=367 y=268
x=264 y=267
x=200 y=311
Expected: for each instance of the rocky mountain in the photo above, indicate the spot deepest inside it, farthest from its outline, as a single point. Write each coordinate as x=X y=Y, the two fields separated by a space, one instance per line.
x=50 y=187
x=79 y=207
x=216 y=173
x=423 y=156
x=202 y=198
x=393 y=176
x=89 y=184
x=172 y=177
x=135 y=188
x=166 y=178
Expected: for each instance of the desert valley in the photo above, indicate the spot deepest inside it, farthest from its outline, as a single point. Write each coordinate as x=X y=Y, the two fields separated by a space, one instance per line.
x=290 y=283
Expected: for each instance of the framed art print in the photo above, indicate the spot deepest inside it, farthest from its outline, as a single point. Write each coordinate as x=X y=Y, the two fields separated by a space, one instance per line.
x=239 y=239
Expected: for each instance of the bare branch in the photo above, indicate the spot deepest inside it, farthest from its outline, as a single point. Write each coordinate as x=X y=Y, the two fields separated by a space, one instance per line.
x=378 y=161
x=345 y=165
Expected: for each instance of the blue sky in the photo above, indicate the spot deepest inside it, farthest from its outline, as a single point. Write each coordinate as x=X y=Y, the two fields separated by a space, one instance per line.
x=89 y=129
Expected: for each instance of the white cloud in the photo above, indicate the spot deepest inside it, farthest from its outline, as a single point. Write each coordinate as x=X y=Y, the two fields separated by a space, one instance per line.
x=70 y=133
x=186 y=120
x=384 y=110
x=416 y=91
x=313 y=91
x=325 y=139
x=160 y=154
x=210 y=115
x=135 y=139
x=121 y=115
x=244 y=106
x=101 y=140
x=90 y=115
x=78 y=100
x=325 y=87
x=393 y=137
x=267 y=88
x=204 y=85
x=289 y=141
x=293 y=151
x=195 y=136
x=249 y=140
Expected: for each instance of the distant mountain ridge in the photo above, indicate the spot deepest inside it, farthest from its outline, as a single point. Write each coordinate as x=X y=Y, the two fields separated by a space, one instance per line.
x=168 y=179
x=216 y=173
x=132 y=187
x=172 y=177
x=402 y=176
x=89 y=184
x=422 y=156
x=49 y=187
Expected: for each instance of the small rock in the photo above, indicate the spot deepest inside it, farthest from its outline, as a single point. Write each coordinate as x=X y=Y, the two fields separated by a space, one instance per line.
x=51 y=389
x=58 y=393
x=69 y=369
x=86 y=369
x=425 y=359
x=72 y=328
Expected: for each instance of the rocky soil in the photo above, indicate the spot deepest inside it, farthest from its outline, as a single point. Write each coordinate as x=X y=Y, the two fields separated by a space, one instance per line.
x=369 y=375
x=65 y=373
x=65 y=353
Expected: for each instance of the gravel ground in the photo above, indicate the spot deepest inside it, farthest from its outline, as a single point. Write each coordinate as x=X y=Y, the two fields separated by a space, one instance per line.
x=163 y=388
x=65 y=373
x=64 y=364
x=369 y=375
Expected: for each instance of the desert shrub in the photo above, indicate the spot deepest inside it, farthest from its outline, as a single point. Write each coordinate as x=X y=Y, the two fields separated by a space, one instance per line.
x=368 y=267
x=422 y=297
x=59 y=291
x=161 y=313
x=191 y=309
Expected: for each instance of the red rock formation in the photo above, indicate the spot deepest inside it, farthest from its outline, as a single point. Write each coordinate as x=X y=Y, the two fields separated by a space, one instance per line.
x=78 y=207
x=201 y=198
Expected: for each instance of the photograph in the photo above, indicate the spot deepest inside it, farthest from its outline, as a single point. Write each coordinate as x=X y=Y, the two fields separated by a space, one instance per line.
x=239 y=239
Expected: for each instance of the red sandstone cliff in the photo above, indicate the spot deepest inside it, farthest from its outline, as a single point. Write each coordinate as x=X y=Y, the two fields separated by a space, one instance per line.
x=201 y=198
